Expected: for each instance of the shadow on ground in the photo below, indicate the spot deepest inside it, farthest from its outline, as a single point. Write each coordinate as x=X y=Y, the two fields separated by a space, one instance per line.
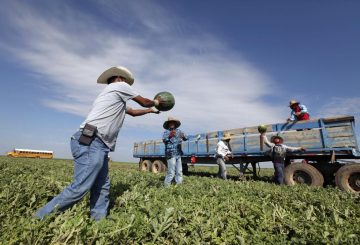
x=268 y=179
x=116 y=191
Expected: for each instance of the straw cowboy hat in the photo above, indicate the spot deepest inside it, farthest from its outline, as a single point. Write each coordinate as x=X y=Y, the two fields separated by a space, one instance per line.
x=226 y=136
x=115 y=72
x=293 y=102
x=171 y=119
x=277 y=137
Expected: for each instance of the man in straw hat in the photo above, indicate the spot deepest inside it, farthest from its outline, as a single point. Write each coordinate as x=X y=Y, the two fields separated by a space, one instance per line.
x=278 y=154
x=172 y=139
x=299 y=112
x=96 y=137
x=223 y=154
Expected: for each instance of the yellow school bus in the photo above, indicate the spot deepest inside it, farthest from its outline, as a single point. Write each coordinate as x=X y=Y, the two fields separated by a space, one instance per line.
x=31 y=153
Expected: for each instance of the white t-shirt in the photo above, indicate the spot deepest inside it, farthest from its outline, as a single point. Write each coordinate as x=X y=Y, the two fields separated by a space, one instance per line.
x=108 y=111
x=222 y=149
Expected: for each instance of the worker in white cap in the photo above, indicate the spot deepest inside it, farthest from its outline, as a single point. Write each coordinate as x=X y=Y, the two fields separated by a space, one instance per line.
x=96 y=137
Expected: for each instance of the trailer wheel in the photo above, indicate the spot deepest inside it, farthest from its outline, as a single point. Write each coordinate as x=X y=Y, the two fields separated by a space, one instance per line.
x=163 y=167
x=157 y=166
x=145 y=165
x=300 y=173
x=348 y=178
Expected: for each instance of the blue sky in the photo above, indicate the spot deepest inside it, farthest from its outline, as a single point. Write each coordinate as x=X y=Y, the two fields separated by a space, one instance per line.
x=229 y=64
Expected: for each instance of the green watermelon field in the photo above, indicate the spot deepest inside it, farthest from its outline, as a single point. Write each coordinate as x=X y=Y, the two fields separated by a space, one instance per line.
x=203 y=210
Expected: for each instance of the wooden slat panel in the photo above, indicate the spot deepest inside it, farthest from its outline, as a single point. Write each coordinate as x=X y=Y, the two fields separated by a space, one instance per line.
x=149 y=149
x=344 y=131
x=141 y=148
x=136 y=148
x=235 y=131
x=343 y=142
x=202 y=146
x=212 y=145
x=185 y=147
x=237 y=143
x=251 y=130
x=159 y=147
x=338 y=119
x=306 y=138
x=212 y=135
x=305 y=135
x=192 y=147
x=338 y=124
x=253 y=139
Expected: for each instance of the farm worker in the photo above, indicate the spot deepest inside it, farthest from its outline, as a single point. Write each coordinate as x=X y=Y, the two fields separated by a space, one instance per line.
x=96 y=137
x=172 y=139
x=223 y=154
x=299 y=112
x=278 y=154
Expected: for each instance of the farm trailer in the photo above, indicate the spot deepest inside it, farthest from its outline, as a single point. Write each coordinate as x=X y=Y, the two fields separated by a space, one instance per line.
x=331 y=151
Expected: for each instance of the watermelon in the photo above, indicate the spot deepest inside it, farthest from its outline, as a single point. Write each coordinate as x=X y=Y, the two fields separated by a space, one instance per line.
x=262 y=128
x=167 y=101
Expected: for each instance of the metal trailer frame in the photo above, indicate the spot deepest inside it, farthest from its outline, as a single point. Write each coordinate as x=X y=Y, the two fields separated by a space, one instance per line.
x=324 y=157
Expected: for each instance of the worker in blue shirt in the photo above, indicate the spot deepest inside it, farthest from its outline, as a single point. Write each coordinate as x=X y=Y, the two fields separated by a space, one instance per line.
x=172 y=139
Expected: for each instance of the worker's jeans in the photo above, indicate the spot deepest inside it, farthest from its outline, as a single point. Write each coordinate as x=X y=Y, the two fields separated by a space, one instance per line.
x=174 y=168
x=222 y=168
x=90 y=174
x=279 y=172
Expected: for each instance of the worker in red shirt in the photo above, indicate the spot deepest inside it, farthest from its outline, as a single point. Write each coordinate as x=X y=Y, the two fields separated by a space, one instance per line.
x=299 y=112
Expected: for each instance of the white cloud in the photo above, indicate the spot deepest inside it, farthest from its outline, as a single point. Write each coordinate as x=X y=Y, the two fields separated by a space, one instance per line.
x=341 y=106
x=214 y=87
x=338 y=106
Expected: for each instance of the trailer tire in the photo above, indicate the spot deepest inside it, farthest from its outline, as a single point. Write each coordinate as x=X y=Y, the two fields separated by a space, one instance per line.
x=145 y=165
x=163 y=167
x=157 y=166
x=347 y=178
x=301 y=173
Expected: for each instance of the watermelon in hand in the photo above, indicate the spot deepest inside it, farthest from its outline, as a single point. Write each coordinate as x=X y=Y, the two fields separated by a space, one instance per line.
x=262 y=128
x=166 y=101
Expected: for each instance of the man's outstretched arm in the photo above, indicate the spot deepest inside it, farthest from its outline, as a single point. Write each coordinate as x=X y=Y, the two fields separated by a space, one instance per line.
x=140 y=112
x=144 y=102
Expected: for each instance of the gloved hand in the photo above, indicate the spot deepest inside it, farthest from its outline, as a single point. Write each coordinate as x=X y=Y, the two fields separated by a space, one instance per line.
x=172 y=133
x=154 y=110
x=157 y=101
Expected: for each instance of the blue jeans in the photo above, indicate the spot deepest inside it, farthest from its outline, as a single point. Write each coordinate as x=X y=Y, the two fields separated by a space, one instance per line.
x=279 y=172
x=222 y=168
x=90 y=174
x=174 y=168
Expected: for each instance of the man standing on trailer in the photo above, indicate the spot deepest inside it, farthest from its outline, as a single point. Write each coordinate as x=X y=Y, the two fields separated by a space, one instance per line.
x=96 y=137
x=299 y=112
x=172 y=139
x=278 y=154
x=223 y=154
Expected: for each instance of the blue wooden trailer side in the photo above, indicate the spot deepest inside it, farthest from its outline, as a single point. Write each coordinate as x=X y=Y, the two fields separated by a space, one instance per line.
x=327 y=142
